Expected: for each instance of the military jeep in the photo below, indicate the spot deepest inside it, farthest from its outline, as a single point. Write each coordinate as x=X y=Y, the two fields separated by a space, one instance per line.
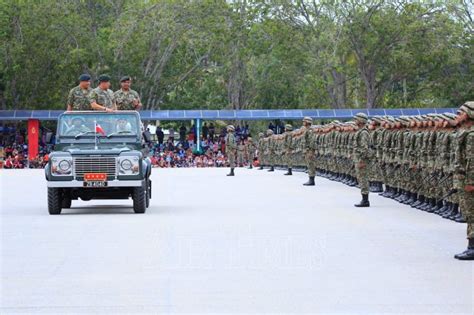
x=98 y=155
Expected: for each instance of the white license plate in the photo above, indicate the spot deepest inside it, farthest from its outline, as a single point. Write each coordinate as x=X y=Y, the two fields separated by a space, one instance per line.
x=95 y=184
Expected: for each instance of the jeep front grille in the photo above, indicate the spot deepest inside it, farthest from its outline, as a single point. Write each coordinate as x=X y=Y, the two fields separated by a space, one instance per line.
x=105 y=165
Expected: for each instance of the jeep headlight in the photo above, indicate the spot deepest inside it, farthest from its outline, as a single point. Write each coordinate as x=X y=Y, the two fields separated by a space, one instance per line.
x=61 y=166
x=129 y=165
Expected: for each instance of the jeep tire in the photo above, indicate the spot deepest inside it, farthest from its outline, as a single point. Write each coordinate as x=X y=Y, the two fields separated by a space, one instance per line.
x=139 y=197
x=54 y=201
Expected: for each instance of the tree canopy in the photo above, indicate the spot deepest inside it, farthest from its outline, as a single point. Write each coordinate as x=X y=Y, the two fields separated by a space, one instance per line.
x=213 y=54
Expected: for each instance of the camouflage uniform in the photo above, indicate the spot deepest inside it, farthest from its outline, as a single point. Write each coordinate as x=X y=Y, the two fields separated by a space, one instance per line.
x=125 y=99
x=103 y=97
x=79 y=98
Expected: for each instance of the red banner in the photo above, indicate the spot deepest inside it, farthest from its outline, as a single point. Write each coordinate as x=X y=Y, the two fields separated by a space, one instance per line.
x=33 y=131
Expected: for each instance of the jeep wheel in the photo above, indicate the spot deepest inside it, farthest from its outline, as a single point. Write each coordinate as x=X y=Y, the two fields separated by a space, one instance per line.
x=54 y=201
x=139 y=199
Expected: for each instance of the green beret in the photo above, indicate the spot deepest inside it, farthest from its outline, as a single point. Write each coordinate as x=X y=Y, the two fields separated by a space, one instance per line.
x=125 y=78
x=84 y=77
x=104 y=78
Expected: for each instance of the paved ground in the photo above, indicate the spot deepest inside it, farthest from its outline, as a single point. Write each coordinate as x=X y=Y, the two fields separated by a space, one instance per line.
x=258 y=242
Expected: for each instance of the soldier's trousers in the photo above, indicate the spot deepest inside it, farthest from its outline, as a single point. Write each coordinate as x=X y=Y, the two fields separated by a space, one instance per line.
x=240 y=158
x=466 y=203
x=363 y=179
x=231 y=157
x=289 y=160
x=310 y=163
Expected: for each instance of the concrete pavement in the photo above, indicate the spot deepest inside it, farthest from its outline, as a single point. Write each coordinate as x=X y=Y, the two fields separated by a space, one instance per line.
x=257 y=242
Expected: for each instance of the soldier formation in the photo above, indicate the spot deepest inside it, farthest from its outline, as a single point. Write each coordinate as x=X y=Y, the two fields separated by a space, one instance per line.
x=83 y=97
x=424 y=161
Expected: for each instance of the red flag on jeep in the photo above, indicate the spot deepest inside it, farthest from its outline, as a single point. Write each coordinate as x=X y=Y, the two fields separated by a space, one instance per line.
x=98 y=129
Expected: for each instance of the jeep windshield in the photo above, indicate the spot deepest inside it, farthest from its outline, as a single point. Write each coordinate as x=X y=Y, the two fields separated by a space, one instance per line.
x=83 y=125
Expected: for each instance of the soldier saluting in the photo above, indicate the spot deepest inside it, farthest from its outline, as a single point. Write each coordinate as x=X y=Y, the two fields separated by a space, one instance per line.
x=126 y=98
x=78 y=98
x=102 y=98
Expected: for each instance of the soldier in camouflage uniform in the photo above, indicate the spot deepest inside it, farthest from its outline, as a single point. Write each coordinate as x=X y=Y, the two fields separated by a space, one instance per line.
x=78 y=98
x=288 y=148
x=240 y=153
x=261 y=149
x=230 y=148
x=126 y=98
x=464 y=173
x=308 y=152
x=250 y=148
x=270 y=150
x=102 y=98
x=361 y=158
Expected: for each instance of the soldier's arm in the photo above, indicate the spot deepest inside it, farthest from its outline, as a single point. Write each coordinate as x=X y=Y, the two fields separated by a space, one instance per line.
x=138 y=102
x=94 y=105
x=70 y=101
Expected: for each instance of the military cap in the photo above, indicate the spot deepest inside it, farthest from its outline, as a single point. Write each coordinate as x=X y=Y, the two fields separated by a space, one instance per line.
x=269 y=132
x=308 y=119
x=361 y=117
x=125 y=78
x=84 y=77
x=467 y=108
x=260 y=134
x=288 y=127
x=404 y=119
x=249 y=139
x=378 y=119
x=230 y=128
x=104 y=78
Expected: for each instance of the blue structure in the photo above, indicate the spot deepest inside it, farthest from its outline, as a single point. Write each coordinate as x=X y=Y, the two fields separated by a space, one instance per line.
x=251 y=114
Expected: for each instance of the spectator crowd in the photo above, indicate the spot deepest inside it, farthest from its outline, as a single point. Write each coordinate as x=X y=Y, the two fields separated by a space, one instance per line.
x=173 y=149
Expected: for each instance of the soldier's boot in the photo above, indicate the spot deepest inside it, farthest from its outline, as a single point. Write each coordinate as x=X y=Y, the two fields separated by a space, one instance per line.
x=440 y=207
x=455 y=212
x=231 y=172
x=423 y=204
x=272 y=169
x=419 y=201
x=371 y=187
x=446 y=208
x=250 y=166
x=433 y=206
x=447 y=212
x=288 y=172
x=380 y=184
x=347 y=180
x=261 y=167
x=384 y=193
x=452 y=211
x=355 y=182
x=377 y=187
x=310 y=181
x=400 y=195
x=468 y=254
x=459 y=218
x=413 y=199
x=364 y=202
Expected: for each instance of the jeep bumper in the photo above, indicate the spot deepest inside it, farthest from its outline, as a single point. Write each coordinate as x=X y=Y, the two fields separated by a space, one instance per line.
x=110 y=183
